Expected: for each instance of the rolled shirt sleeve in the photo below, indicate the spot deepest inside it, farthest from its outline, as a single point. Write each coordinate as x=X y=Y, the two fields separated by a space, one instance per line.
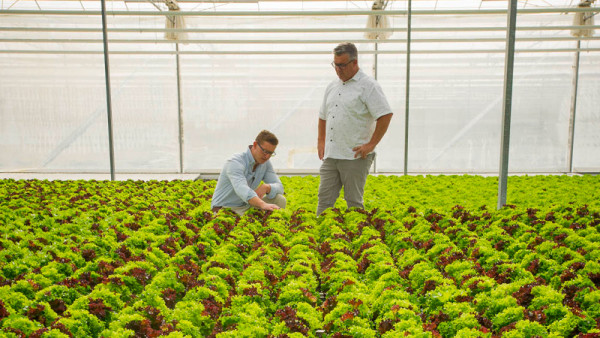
x=375 y=100
x=272 y=179
x=323 y=109
x=235 y=172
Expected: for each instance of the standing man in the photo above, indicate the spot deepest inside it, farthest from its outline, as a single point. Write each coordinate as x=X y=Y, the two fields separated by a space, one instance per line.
x=353 y=118
x=239 y=186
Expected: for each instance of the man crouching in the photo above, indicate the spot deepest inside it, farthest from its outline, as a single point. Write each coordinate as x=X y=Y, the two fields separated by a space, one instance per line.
x=239 y=186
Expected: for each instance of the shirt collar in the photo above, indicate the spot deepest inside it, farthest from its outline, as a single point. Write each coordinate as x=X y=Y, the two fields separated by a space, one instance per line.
x=249 y=157
x=359 y=75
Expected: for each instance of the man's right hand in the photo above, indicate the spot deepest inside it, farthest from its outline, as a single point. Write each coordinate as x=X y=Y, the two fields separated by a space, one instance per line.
x=321 y=149
x=321 y=138
x=270 y=207
x=260 y=204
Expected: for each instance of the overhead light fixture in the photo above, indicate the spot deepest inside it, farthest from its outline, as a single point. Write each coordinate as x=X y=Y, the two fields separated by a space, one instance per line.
x=583 y=19
x=174 y=22
x=377 y=21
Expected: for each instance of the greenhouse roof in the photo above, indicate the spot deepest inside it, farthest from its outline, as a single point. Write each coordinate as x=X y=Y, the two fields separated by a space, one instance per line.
x=276 y=5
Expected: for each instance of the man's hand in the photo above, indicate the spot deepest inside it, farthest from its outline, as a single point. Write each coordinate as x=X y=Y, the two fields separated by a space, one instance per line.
x=262 y=190
x=321 y=149
x=321 y=139
x=380 y=128
x=257 y=202
x=363 y=151
x=270 y=207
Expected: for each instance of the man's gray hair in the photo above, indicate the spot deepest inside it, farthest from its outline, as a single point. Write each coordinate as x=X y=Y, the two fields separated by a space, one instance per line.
x=346 y=48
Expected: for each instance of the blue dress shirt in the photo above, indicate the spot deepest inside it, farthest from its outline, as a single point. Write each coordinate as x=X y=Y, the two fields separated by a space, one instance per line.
x=237 y=181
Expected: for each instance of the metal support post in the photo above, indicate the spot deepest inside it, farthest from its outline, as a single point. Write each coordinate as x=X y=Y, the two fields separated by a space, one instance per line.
x=407 y=98
x=108 y=96
x=179 y=110
x=375 y=76
x=571 y=140
x=507 y=101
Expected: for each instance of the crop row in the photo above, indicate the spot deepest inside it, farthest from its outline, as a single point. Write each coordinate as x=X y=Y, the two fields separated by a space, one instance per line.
x=94 y=259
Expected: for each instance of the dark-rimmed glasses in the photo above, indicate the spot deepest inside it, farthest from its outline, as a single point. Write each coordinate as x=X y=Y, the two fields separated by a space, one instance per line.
x=340 y=65
x=270 y=153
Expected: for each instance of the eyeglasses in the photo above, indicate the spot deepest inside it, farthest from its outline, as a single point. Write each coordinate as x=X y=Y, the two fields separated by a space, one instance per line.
x=270 y=153
x=340 y=65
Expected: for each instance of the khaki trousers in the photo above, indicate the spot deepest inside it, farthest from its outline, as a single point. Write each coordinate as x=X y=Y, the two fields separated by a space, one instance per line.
x=279 y=200
x=350 y=174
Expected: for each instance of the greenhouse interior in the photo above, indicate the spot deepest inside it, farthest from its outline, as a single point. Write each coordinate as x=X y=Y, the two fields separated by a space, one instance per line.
x=479 y=216
x=182 y=100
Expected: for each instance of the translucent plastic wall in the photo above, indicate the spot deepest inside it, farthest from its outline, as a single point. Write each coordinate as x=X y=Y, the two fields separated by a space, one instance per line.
x=587 y=138
x=232 y=84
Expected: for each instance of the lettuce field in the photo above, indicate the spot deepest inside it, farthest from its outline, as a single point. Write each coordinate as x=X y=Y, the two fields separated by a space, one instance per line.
x=430 y=256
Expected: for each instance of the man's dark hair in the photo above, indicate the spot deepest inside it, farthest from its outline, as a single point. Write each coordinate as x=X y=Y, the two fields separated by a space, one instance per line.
x=346 y=48
x=267 y=136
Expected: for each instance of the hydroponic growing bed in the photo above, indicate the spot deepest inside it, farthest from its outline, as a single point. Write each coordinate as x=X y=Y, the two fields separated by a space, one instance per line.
x=431 y=256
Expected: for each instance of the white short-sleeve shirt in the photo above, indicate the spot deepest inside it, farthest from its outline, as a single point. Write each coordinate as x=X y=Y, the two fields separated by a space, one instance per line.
x=350 y=110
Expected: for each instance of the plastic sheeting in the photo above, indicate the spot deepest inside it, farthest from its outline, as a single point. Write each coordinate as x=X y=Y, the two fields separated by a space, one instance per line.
x=53 y=104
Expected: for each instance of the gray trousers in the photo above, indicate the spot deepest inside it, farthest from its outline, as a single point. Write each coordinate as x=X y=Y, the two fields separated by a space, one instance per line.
x=351 y=174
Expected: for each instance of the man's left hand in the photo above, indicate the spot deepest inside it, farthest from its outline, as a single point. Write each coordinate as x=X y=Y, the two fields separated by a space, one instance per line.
x=363 y=151
x=262 y=190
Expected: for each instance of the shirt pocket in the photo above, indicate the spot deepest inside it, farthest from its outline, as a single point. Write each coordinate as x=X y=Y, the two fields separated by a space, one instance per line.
x=357 y=106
